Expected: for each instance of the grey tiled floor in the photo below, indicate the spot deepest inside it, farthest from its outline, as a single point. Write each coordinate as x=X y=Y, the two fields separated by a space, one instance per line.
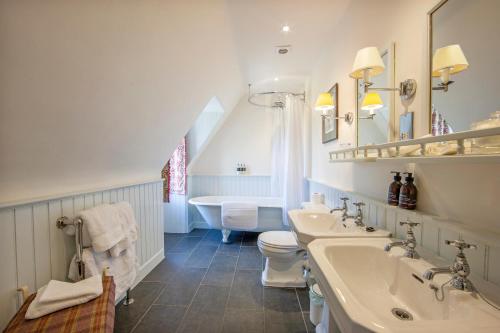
x=206 y=286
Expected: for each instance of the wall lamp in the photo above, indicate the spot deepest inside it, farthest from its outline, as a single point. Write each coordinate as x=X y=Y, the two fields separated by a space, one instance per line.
x=447 y=61
x=368 y=63
x=371 y=102
x=326 y=104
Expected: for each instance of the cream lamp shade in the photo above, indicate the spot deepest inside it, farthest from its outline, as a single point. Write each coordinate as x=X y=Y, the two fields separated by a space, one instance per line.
x=372 y=102
x=324 y=102
x=367 y=60
x=448 y=60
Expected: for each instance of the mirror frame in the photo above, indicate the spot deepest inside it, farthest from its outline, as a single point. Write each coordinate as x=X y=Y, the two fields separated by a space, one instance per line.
x=390 y=50
x=429 y=59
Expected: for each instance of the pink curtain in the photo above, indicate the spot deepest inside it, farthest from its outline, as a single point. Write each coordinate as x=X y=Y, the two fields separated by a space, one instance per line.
x=174 y=172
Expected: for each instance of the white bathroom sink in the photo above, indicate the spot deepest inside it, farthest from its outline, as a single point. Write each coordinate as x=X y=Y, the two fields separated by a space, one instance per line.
x=311 y=225
x=363 y=284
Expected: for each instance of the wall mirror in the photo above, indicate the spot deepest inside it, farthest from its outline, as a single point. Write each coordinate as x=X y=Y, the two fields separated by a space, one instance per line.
x=330 y=125
x=377 y=126
x=472 y=68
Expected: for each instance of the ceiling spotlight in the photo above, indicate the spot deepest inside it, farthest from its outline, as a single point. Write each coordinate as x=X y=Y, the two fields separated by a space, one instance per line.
x=276 y=79
x=285 y=28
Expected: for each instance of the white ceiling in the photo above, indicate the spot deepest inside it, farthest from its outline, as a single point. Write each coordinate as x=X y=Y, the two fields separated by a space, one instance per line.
x=100 y=92
x=257 y=30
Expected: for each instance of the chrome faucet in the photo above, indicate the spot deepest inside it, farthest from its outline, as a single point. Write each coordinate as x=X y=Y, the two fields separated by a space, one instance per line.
x=342 y=209
x=409 y=244
x=459 y=270
x=358 y=218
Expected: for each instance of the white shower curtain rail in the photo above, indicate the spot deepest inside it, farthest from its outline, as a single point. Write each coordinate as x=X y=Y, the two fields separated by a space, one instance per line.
x=278 y=104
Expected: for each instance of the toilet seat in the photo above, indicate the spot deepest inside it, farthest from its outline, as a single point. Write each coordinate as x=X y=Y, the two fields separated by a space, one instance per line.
x=279 y=241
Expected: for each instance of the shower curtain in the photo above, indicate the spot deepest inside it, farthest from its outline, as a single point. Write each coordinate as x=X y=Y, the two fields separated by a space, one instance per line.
x=287 y=165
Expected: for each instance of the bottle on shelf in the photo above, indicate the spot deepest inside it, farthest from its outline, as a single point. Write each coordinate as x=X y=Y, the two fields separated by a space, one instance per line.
x=408 y=193
x=394 y=189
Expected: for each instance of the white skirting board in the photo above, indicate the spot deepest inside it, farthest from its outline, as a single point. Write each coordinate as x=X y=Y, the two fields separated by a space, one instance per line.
x=34 y=250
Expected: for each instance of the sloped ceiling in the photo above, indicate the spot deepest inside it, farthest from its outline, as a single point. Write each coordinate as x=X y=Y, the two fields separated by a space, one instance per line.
x=94 y=93
x=99 y=92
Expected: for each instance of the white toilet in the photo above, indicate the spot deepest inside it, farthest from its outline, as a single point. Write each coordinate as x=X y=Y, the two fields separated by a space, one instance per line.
x=284 y=260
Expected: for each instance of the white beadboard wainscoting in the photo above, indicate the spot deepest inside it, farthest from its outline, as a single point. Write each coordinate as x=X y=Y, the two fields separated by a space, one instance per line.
x=259 y=186
x=430 y=234
x=35 y=251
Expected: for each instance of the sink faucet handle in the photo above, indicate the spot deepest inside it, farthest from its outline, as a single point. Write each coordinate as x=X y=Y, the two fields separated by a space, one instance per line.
x=344 y=199
x=358 y=204
x=409 y=223
x=460 y=244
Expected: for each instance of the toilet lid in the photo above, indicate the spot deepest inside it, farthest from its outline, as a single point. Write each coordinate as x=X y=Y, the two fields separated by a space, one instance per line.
x=282 y=239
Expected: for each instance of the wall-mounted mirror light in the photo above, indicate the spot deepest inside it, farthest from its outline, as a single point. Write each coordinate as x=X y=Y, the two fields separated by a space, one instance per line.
x=371 y=102
x=326 y=104
x=447 y=61
x=368 y=63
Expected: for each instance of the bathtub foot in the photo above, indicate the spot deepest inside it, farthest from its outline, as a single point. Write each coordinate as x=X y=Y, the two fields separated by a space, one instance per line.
x=225 y=235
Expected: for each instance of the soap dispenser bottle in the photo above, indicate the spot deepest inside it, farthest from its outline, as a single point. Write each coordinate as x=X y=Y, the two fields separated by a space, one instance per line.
x=394 y=189
x=408 y=193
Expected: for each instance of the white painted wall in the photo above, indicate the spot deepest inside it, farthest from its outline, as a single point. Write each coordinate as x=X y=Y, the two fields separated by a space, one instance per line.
x=35 y=251
x=245 y=137
x=463 y=192
x=97 y=93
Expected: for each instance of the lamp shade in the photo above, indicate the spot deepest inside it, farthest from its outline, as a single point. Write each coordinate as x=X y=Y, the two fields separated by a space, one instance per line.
x=367 y=58
x=449 y=57
x=372 y=102
x=324 y=102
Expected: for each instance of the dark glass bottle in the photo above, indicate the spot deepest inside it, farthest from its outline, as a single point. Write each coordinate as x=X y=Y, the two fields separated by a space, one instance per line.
x=394 y=188
x=408 y=193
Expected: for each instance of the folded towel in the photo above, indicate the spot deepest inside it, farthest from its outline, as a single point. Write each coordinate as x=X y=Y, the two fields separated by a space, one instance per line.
x=129 y=228
x=57 y=295
x=239 y=215
x=103 y=225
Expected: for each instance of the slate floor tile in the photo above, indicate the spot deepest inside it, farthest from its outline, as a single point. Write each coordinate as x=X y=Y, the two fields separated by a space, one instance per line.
x=243 y=321
x=246 y=291
x=250 y=258
x=144 y=294
x=182 y=287
x=161 y=318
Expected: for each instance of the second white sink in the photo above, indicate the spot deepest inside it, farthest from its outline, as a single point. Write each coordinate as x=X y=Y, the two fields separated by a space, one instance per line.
x=309 y=226
x=368 y=289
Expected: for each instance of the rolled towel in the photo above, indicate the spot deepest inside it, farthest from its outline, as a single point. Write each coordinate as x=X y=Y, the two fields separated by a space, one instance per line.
x=58 y=295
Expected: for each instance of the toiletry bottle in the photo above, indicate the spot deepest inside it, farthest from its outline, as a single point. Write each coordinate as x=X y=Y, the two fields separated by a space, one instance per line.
x=408 y=193
x=394 y=188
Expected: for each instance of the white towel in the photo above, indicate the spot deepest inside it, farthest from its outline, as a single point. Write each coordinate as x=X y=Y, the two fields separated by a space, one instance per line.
x=123 y=268
x=103 y=225
x=239 y=215
x=129 y=228
x=58 y=295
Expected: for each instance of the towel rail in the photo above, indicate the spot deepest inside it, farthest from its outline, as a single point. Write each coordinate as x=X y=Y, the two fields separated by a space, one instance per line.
x=64 y=222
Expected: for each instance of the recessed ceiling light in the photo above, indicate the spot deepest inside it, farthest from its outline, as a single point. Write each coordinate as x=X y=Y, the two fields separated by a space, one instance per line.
x=276 y=79
x=285 y=28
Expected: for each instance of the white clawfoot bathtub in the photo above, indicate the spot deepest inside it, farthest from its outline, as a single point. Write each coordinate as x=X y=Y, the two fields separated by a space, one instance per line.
x=270 y=215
